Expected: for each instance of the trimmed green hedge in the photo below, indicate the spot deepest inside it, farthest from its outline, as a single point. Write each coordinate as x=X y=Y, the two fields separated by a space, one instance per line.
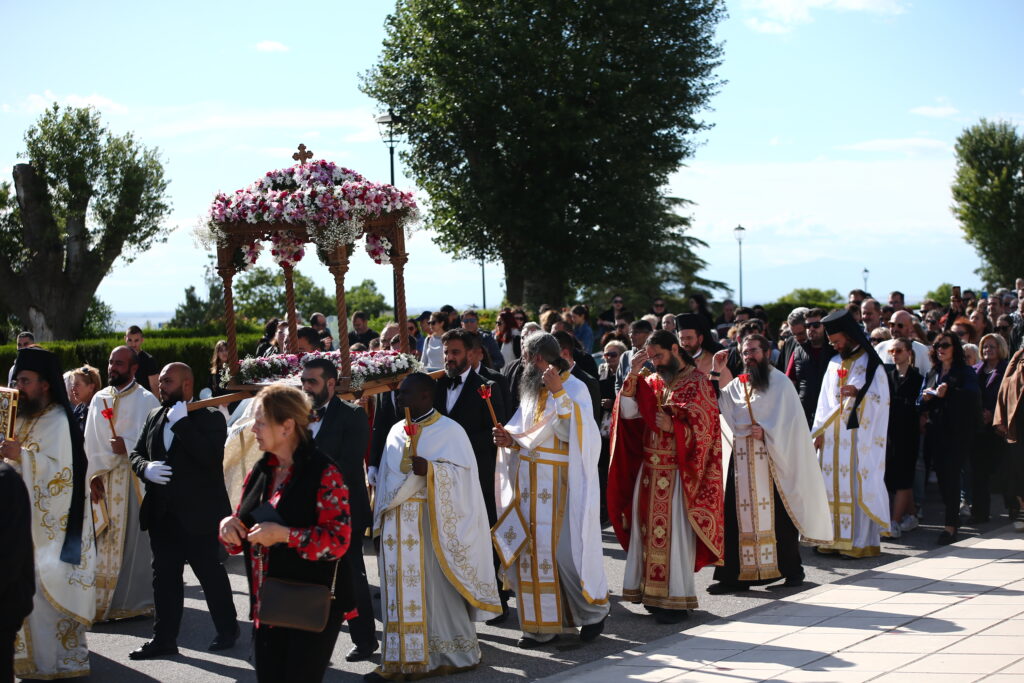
x=196 y=352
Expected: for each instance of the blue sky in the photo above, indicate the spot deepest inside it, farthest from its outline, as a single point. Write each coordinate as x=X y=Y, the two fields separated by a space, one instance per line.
x=832 y=141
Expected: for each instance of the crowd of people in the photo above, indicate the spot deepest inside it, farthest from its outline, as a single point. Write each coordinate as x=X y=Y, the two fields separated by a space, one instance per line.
x=700 y=440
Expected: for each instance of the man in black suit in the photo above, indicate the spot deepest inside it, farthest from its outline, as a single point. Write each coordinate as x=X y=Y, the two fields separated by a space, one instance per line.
x=17 y=581
x=568 y=345
x=385 y=415
x=476 y=358
x=513 y=371
x=457 y=396
x=341 y=431
x=180 y=457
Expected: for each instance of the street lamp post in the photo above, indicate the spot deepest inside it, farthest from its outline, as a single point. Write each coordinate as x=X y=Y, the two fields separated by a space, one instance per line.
x=865 y=273
x=739 y=231
x=386 y=123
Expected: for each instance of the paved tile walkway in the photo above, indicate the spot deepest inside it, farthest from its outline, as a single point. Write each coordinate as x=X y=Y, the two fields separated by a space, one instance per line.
x=953 y=614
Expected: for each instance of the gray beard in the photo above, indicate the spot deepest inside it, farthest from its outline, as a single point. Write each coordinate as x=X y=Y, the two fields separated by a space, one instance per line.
x=530 y=384
x=759 y=373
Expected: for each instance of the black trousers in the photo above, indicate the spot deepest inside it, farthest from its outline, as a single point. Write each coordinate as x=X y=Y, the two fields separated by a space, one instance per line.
x=7 y=655
x=947 y=460
x=362 y=629
x=172 y=548
x=986 y=458
x=287 y=655
x=787 y=542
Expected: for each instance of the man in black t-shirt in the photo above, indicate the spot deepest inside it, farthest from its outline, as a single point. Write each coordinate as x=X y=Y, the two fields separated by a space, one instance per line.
x=361 y=334
x=148 y=373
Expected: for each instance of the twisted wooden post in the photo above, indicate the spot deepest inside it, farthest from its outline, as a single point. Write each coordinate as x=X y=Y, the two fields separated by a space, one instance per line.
x=227 y=271
x=289 y=293
x=398 y=259
x=338 y=265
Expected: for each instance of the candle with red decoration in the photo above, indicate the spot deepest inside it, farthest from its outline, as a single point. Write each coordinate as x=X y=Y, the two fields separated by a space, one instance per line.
x=108 y=413
x=485 y=393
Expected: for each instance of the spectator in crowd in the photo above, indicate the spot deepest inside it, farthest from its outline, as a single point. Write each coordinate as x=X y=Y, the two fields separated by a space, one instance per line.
x=423 y=322
x=452 y=317
x=972 y=354
x=743 y=314
x=809 y=362
x=218 y=362
x=24 y=340
x=293 y=525
x=280 y=342
x=879 y=335
x=509 y=337
x=318 y=321
x=990 y=447
x=668 y=322
x=267 y=340
x=658 y=308
x=614 y=350
x=897 y=301
x=307 y=340
x=639 y=331
x=901 y=324
x=1004 y=326
x=952 y=402
x=980 y=322
x=85 y=381
x=148 y=371
x=492 y=352
x=797 y=336
x=996 y=307
x=933 y=323
x=699 y=304
x=581 y=328
x=433 y=348
x=964 y=331
x=726 y=320
x=857 y=296
x=904 y=434
x=361 y=332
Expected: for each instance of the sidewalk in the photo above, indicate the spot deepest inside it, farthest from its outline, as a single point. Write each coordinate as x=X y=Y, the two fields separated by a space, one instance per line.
x=953 y=614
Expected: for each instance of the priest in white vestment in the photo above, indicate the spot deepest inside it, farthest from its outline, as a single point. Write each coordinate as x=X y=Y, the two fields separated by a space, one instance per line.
x=117 y=413
x=774 y=493
x=850 y=429
x=548 y=533
x=436 y=568
x=47 y=451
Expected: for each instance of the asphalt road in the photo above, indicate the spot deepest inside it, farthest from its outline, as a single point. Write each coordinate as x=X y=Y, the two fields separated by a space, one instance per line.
x=628 y=625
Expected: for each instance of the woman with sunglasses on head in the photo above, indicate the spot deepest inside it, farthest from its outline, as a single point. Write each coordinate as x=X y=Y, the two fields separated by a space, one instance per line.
x=988 y=453
x=904 y=434
x=951 y=401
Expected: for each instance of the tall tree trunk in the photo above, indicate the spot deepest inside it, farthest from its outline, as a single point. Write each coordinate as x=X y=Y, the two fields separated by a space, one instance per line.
x=544 y=288
x=513 y=282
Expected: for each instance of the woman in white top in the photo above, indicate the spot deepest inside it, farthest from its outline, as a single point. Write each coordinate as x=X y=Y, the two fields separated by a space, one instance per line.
x=433 y=350
x=507 y=335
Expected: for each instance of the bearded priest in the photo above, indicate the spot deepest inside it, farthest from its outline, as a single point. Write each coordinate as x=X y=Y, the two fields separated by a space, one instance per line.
x=774 y=491
x=48 y=453
x=437 y=575
x=548 y=534
x=849 y=430
x=118 y=412
x=665 y=478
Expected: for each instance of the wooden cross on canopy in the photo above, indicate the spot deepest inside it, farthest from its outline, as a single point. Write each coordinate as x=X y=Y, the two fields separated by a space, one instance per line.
x=302 y=155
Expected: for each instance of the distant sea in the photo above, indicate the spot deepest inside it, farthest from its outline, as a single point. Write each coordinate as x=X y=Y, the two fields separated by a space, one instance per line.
x=144 y=319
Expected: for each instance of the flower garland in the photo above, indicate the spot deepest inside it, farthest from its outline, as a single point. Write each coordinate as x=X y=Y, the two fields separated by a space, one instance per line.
x=332 y=202
x=379 y=249
x=366 y=366
x=287 y=249
x=251 y=253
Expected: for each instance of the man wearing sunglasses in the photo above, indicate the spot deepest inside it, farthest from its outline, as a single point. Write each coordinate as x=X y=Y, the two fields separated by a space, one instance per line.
x=809 y=362
x=902 y=325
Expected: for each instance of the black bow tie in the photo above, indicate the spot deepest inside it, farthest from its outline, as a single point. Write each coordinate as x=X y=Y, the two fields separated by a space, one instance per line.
x=456 y=381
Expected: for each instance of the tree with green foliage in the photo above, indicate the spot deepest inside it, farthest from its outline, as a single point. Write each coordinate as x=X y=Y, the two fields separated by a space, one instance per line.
x=259 y=295
x=809 y=296
x=941 y=294
x=99 y=320
x=988 y=197
x=197 y=312
x=85 y=198
x=545 y=133
x=365 y=297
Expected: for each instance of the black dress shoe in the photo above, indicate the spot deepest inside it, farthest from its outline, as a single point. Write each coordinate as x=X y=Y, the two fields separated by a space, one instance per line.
x=153 y=650
x=500 y=618
x=721 y=588
x=224 y=641
x=527 y=643
x=358 y=654
x=671 y=616
x=591 y=631
x=374 y=677
x=945 y=538
x=794 y=581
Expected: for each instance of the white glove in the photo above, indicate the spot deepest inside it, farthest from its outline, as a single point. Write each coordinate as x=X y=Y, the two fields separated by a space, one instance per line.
x=158 y=471
x=371 y=475
x=177 y=411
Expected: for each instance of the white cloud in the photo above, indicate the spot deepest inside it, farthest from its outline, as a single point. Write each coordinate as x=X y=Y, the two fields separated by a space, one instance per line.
x=271 y=46
x=36 y=103
x=781 y=16
x=938 y=112
x=901 y=145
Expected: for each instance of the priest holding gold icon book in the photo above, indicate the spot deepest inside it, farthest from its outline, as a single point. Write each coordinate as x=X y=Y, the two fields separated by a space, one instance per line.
x=430 y=522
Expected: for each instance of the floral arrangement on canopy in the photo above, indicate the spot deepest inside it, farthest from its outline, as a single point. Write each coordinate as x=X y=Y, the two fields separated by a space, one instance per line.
x=329 y=201
x=366 y=366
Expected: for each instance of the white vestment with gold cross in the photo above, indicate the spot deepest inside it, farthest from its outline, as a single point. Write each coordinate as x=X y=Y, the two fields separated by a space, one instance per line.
x=853 y=460
x=51 y=643
x=437 y=574
x=124 y=575
x=784 y=461
x=548 y=479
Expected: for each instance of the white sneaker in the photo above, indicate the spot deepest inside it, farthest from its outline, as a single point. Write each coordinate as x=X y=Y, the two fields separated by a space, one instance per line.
x=1018 y=525
x=909 y=523
x=894 y=529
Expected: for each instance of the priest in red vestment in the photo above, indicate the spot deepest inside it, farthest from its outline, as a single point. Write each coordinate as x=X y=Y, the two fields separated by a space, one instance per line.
x=665 y=487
